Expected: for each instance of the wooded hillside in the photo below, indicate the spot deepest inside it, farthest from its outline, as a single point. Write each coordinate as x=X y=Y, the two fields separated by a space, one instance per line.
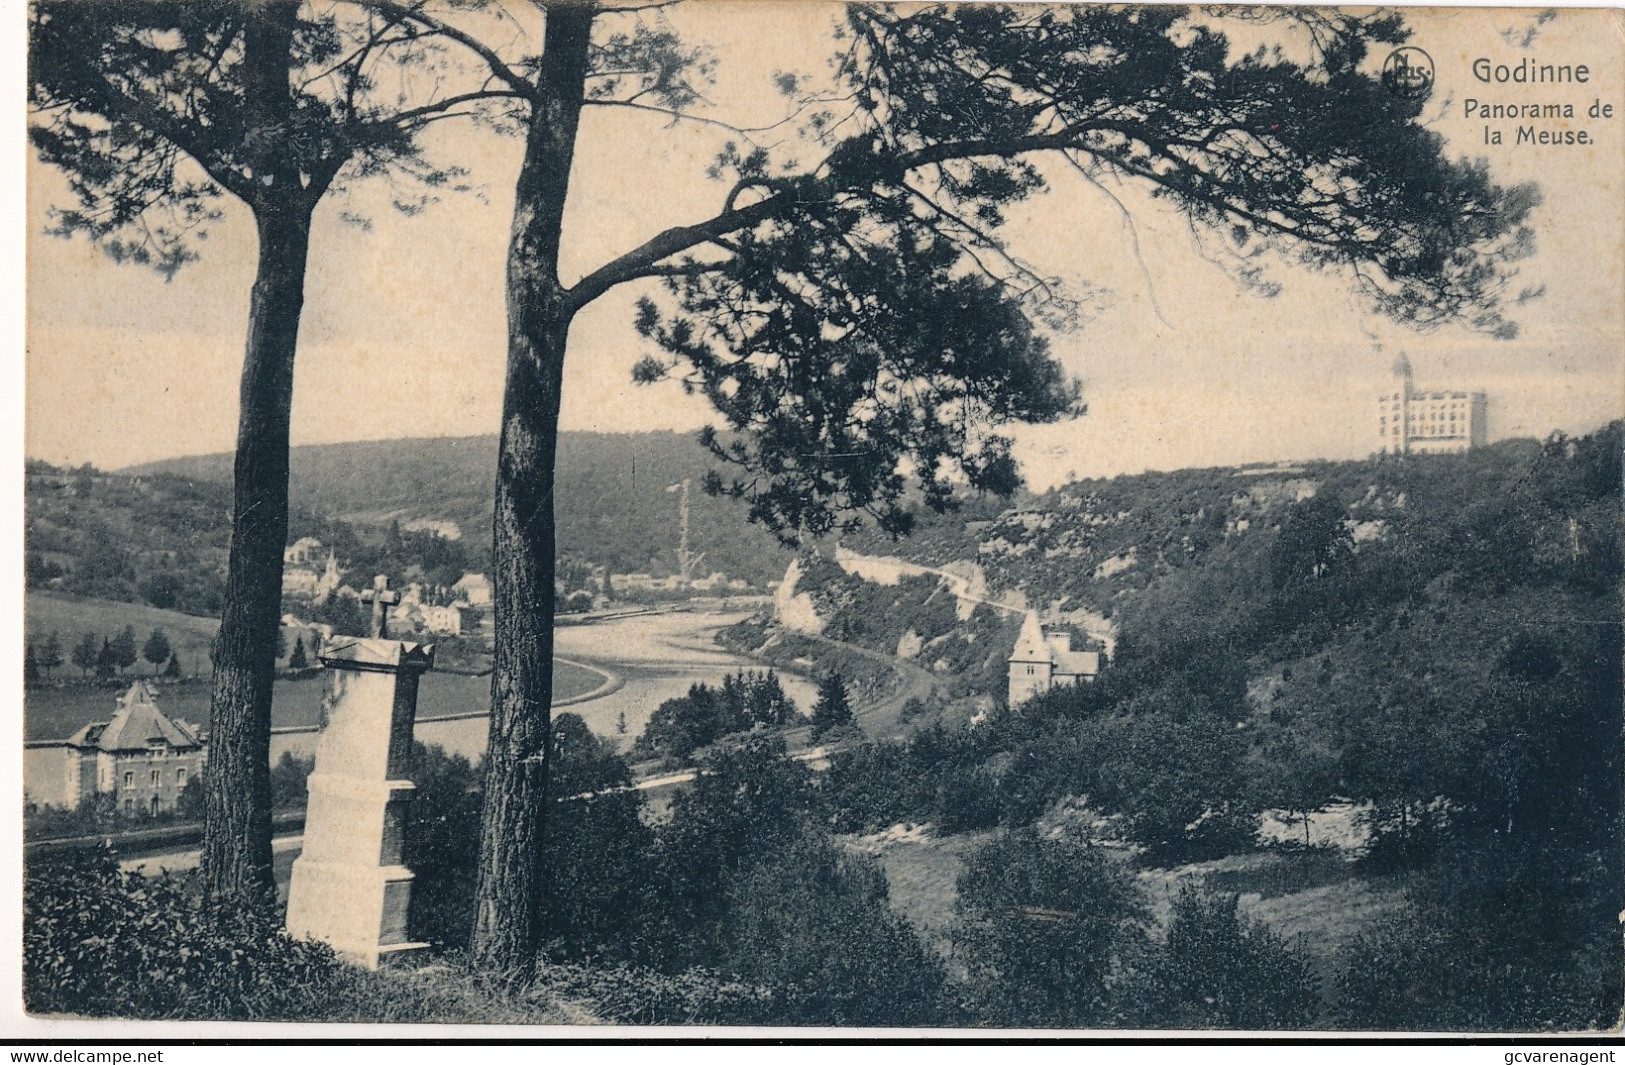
x=613 y=508
x=1435 y=640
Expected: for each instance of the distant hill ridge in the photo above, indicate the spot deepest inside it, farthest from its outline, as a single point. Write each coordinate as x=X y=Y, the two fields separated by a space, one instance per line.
x=368 y=477
x=612 y=503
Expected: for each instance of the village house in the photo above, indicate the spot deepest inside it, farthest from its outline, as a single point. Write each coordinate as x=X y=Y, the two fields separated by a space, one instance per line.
x=304 y=582
x=429 y=609
x=644 y=582
x=717 y=581
x=302 y=552
x=472 y=589
x=313 y=635
x=423 y=617
x=446 y=530
x=142 y=757
x=1042 y=660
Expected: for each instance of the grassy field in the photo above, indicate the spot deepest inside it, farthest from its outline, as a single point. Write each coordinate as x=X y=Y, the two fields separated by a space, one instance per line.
x=1313 y=900
x=57 y=712
x=54 y=713
x=71 y=617
x=922 y=874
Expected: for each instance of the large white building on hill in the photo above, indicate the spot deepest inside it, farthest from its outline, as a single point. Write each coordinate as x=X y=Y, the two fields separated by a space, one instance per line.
x=1412 y=422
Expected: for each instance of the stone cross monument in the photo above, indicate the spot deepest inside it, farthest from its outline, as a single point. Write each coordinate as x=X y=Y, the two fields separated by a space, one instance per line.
x=349 y=885
x=381 y=599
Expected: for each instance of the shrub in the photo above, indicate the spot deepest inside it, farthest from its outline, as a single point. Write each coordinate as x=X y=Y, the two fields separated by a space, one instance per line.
x=750 y=885
x=681 y=726
x=442 y=847
x=1220 y=970
x=99 y=815
x=94 y=815
x=101 y=943
x=1437 y=968
x=966 y=798
x=597 y=850
x=915 y=708
x=939 y=775
x=1045 y=920
x=869 y=787
x=747 y=804
x=290 y=782
x=813 y=925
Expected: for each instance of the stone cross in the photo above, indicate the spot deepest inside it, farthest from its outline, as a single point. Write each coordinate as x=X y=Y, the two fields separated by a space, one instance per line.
x=381 y=599
x=350 y=887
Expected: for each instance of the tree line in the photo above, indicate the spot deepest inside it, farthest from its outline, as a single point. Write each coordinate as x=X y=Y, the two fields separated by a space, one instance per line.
x=104 y=657
x=745 y=702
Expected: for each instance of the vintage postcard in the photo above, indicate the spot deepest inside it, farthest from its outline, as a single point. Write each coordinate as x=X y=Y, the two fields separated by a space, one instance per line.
x=792 y=515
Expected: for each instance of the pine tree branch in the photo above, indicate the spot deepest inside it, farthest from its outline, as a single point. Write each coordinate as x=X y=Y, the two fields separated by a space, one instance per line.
x=522 y=86
x=401 y=117
x=636 y=9
x=676 y=115
x=109 y=99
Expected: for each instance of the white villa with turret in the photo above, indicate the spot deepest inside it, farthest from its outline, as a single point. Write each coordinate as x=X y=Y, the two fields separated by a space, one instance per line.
x=1042 y=660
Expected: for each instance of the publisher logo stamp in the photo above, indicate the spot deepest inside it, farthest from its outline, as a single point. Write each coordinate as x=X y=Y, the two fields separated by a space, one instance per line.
x=1408 y=73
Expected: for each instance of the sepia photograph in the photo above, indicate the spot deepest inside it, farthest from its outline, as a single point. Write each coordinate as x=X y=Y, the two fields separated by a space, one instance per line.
x=722 y=516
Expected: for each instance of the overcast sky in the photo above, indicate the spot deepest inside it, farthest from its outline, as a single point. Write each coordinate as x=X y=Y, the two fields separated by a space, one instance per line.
x=403 y=332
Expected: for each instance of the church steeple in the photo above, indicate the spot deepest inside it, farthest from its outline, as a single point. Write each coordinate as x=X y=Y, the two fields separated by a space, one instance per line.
x=1402 y=368
x=331 y=575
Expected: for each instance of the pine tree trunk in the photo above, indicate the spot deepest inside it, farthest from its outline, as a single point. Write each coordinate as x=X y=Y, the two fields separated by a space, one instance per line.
x=236 y=857
x=512 y=881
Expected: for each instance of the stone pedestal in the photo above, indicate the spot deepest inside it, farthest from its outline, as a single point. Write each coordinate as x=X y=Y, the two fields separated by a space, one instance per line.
x=349 y=887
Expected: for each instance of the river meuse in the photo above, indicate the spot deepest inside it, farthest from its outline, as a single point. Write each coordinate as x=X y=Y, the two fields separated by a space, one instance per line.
x=655 y=657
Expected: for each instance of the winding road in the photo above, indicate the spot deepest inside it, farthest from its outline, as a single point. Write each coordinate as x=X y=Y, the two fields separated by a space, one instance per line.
x=882 y=714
